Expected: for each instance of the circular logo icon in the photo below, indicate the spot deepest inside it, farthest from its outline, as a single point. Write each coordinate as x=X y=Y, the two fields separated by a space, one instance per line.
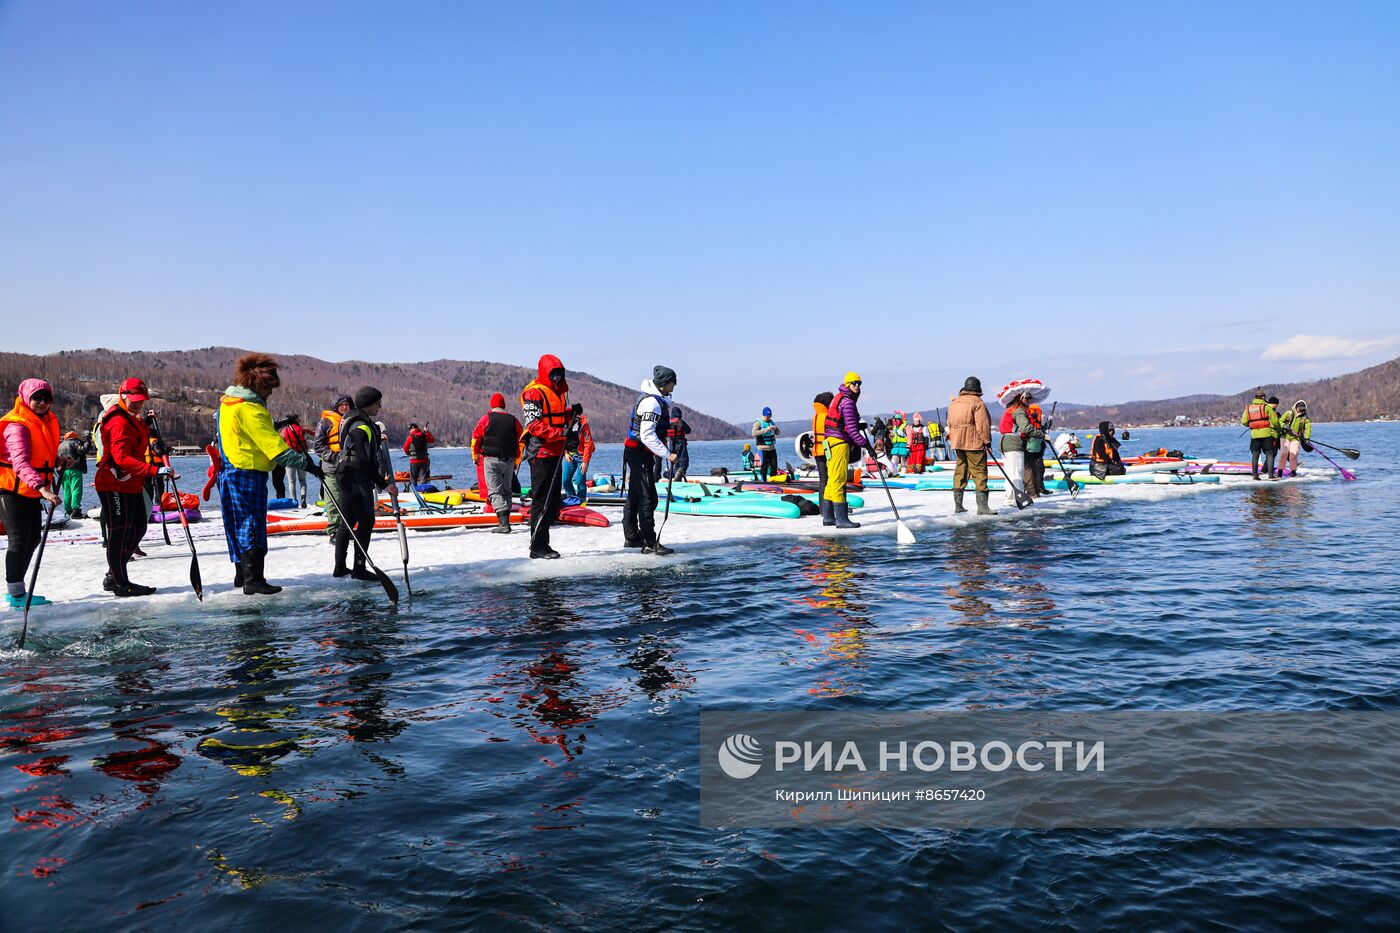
x=740 y=756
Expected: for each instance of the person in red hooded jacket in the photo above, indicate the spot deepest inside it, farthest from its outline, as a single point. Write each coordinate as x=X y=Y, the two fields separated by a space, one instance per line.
x=545 y=404
x=120 y=479
x=416 y=446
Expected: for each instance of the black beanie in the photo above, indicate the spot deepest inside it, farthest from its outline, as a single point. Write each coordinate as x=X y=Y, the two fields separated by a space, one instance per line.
x=660 y=375
x=366 y=396
x=342 y=400
x=972 y=384
x=677 y=412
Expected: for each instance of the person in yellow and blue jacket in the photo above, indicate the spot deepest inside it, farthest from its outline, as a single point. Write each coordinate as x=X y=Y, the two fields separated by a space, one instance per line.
x=249 y=447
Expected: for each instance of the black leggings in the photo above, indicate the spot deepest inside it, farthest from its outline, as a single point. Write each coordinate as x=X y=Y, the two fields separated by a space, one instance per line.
x=1268 y=447
x=418 y=472
x=768 y=467
x=24 y=520
x=639 y=511
x=126 y=518
x=356 y=497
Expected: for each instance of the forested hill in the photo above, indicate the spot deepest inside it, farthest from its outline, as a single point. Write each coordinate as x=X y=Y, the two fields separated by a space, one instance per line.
x=1357 y=396
x=449 y=395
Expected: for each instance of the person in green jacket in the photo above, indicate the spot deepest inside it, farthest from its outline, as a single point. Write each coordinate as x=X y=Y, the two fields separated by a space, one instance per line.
x=1296 y=427
x=1262 y=420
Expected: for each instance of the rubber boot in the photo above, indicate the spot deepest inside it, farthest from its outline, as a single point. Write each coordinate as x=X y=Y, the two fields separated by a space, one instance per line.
x=843 y=518
x=238 y=575
x=341 y=548
x=982 y=508
x=253 y=582
x=360 y=572
x=502 y=524
x=958 y=502
x=828 y=513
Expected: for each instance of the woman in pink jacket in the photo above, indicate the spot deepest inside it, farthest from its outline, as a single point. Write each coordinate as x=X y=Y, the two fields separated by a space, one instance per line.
x=29 y=463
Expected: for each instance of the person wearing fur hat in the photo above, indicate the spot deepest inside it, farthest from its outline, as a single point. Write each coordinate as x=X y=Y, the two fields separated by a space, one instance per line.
x=325 y=442
x=496 y=452
x=642 y=454
x=28 y=459
x=249 y=447
x=361 y=471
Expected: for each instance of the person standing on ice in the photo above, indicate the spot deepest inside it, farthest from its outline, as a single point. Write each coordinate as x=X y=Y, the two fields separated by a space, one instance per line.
x=578 y=452
x=249 y=447
x=821 y=404
x=545 y=404
x=295 y=436
x=1296 y=429
x=28 y=461
x=970 y=435
x=642 y=454
x=1035 y=452
x=120 y=478
x=361 y=474
x=1015 y=431
x=678 y=442
x=326 y=443
x=918 y=442
x=416 y=446
x=496 y=451
x=765 y=433
x=1262 y=421
x=73 y=449
x=845 y=437
x=1104 y=459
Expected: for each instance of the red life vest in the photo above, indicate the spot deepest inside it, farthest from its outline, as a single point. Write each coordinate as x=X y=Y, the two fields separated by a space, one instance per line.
x=1258 y=415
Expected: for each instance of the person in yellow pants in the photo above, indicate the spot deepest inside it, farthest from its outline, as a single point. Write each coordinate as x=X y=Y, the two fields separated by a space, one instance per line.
x=844 y=434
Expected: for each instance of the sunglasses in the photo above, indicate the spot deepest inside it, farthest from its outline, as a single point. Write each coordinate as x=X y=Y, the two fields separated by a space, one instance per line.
x=41 y=397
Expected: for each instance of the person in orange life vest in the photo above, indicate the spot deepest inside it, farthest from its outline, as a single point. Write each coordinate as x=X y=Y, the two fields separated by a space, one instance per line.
x=416 y=446
x=545 y=403
x=820 y=404
x=121 y=476
x=496 y=452
x=1035 y=452
x=326 y=443
x=578 y=452
x=295 y=437
x=1103 y=455
x=677 y=441
x=1262 y=420
x=29 y=462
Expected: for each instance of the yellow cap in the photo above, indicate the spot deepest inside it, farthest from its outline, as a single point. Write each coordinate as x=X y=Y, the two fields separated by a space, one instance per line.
x=851 y=377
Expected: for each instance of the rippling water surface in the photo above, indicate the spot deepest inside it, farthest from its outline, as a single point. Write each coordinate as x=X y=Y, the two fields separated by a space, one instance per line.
x=525 y=755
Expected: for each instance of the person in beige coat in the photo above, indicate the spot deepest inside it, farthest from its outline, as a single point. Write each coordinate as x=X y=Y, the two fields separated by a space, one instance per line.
x=970 y=436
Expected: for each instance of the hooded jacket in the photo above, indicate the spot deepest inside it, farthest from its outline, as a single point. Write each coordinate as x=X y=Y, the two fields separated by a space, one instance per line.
x=969 y=422
x=29 y=453
x=546 y=411
x=126 y=442
x=649 y=411
x=246 y=434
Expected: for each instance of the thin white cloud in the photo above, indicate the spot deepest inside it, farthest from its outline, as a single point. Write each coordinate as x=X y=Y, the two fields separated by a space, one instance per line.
x=1314 y=347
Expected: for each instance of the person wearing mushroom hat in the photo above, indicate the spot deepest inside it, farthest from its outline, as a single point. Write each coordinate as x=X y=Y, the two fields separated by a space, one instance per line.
x=1016 y=429
x=249 y=446
x=29 y=437
x=970 y=435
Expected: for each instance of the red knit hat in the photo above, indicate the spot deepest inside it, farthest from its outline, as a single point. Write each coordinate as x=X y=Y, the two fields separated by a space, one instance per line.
x=498 y=401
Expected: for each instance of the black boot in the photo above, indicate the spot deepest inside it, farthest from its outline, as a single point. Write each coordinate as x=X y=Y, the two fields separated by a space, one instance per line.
x=982 y=507
x=341 y=546
x=254 y=583
x=359 y=572
x=238 y=574
x=502 y=524
x=958 y=501
x=828 y=514
x=843 y=518
x=132 y=589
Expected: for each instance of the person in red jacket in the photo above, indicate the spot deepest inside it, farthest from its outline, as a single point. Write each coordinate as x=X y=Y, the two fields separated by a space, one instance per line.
x=121 y=476
x=295 y=437
x=578 y=451
x=545 y=404
x=496 y=451
x=416 y=446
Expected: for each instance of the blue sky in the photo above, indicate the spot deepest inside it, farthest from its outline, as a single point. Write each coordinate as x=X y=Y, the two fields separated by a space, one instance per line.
x=1129 y=200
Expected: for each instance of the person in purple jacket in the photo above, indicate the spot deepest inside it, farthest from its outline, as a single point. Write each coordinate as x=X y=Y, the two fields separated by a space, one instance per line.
x=844 y=435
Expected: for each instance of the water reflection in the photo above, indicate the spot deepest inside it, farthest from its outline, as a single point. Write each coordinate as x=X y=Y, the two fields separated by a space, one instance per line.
x=153 y=759
x=834 y=568
x=252 y=741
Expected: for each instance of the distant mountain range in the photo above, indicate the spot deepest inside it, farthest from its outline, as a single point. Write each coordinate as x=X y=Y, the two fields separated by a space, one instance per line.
x=1358 y=396
x=448 y=395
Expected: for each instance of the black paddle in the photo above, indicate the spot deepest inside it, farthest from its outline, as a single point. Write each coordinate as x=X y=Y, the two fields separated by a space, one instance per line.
x=195 y=579
x=34 y=574
x=389 y=589
x=1347 y=452
x=1022 y=500
x=398 y=522
x=1069 y=482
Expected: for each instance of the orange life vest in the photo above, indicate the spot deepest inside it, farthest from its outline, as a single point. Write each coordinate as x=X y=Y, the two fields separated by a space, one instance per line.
x=556 y=406
x=43 y=447
x=1258 y=415
x=333 y=441
x=819 y=429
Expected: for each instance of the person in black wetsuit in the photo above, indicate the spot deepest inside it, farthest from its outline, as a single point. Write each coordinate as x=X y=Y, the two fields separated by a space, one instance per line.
x=360 y=473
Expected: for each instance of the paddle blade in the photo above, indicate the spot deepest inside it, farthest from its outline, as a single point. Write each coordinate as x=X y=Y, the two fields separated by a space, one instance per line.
x=1350 y=454
x=195 y=580
x=903 y=535
x=389 y=589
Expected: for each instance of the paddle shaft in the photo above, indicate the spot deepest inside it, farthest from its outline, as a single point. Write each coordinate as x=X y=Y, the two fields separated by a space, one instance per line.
x=1021 y=497
x=880 y=469
x=398 y=519
x=34 y=574
x=1069 y=479
x=389 y=589
x=196 y=581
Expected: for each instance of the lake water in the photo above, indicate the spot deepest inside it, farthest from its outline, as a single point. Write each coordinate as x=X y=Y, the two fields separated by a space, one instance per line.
x=524 y=755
